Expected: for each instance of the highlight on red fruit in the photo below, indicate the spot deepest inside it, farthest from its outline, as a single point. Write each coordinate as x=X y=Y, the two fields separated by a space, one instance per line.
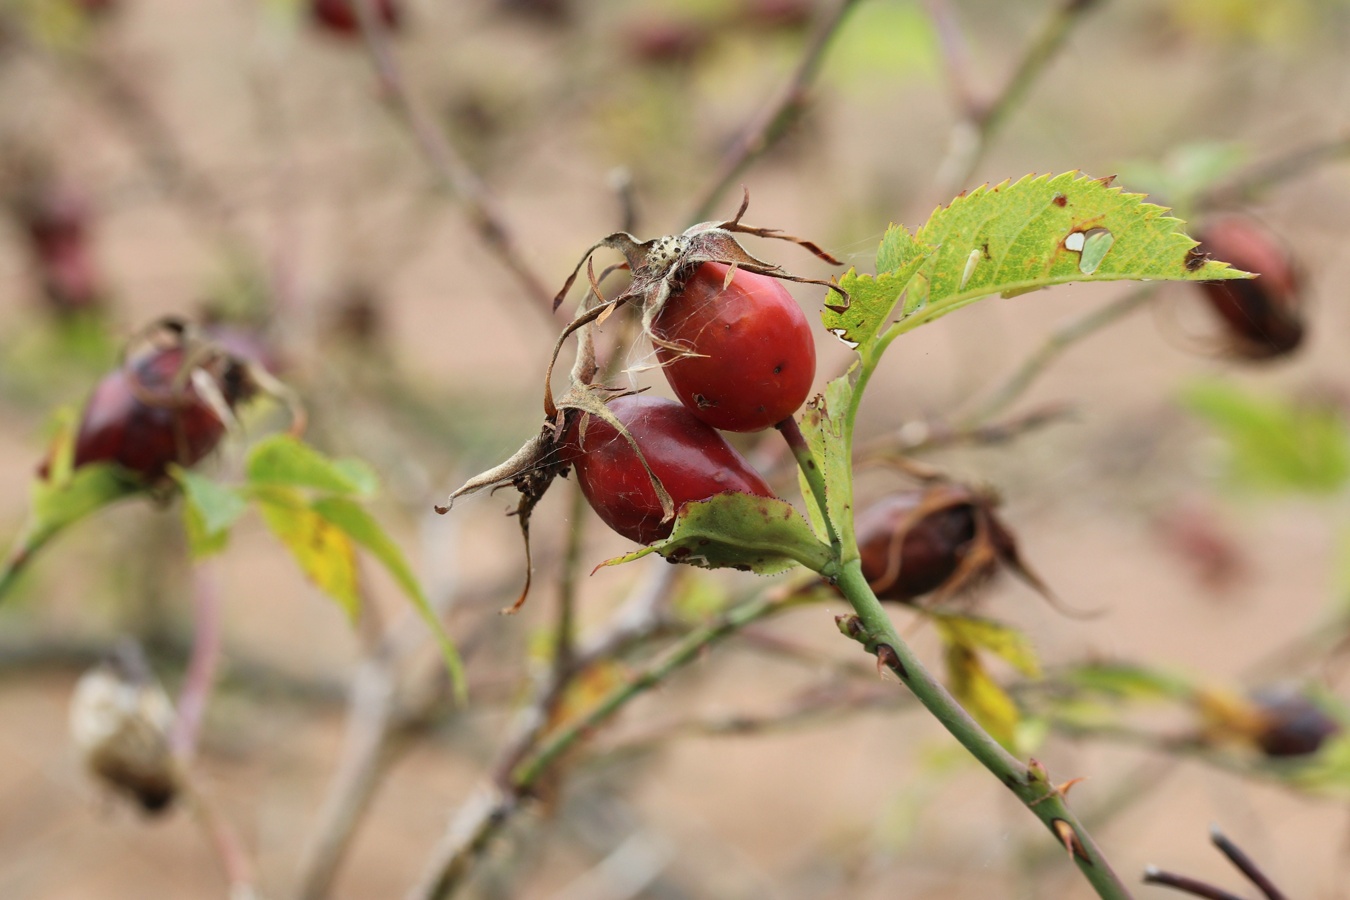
x=339 y=16
x=751 y=358
x=692 y=461
x=168 y=402
x=944 y=539
x=1262 y=317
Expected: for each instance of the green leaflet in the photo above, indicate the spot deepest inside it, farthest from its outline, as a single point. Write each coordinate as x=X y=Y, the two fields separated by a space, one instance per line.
x=764 y=535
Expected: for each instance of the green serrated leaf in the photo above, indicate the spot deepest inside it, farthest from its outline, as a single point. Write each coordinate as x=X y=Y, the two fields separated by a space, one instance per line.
x=210 y=509
x=362 y=527
x=284 y=461
x=1013 y=238
x=1275 y=444
x=982 y=696
x=764 y=535
x=871 y=300
x=1004 y=641
x=324 y=551
x=898 y=250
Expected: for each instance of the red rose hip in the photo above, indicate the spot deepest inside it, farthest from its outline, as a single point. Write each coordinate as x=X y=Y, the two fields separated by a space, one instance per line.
x=692 y=461
x=1263 y=317
x=756 y=358
x=148 y=413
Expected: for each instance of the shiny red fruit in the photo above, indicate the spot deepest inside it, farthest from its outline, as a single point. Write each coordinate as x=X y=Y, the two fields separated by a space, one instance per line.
x=1263 y=317
x=757 y=358
x=692 y=461
x=339 y=16
x=148 y=414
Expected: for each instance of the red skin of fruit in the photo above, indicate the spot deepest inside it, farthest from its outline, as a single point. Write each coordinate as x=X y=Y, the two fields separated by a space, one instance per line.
x=339 y=16
x=930 y=551
x=758 y=356
x=1262 y=315
x=119 y=427
x=57 y=221
x=692 y=461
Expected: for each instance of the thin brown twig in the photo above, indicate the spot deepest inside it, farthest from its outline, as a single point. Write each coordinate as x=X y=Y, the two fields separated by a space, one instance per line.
x=234 y=858
x=536 y=751
x=1262 y=176
x=1053 y=347
x=1186 y=885
x=955 y=56
x=451 y=170
x=973 y=135
x=205 y=207
x=763 y=131
x=917 y=436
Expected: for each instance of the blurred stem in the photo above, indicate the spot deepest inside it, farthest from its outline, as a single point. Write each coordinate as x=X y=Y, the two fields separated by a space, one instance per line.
x=20 y=555
x=872 y=627
x=1058 y=342
x=453 y=172
x=689 y=648
x=564 y=638
x=537 y=752
x=973 y=135
x=202 y=665
x=763 y=131
x=1253 y=181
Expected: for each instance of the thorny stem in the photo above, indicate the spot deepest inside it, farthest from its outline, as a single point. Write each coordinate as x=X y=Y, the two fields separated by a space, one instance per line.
x=972 y=137
x=1053 y=347
x=763 y=131
x=873 y=628
x=449 y=167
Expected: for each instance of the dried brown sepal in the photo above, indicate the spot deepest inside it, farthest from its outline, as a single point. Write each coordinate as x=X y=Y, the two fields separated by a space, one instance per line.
x=959 y=542
x=659 y=266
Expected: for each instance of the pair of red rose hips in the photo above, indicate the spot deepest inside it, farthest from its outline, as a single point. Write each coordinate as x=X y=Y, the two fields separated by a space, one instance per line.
x=746 y=362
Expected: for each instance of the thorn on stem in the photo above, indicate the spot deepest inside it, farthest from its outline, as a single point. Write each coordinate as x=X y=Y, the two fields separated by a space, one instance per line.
x=1069 y=838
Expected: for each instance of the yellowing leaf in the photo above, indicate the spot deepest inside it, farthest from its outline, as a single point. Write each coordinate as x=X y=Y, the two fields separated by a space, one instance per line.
x=323 y=551
x=1004 y=641
x=982 y=696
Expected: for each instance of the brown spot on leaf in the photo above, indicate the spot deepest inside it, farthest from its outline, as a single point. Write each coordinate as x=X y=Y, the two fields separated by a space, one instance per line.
x=1195 y=259
x=1061 y=200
